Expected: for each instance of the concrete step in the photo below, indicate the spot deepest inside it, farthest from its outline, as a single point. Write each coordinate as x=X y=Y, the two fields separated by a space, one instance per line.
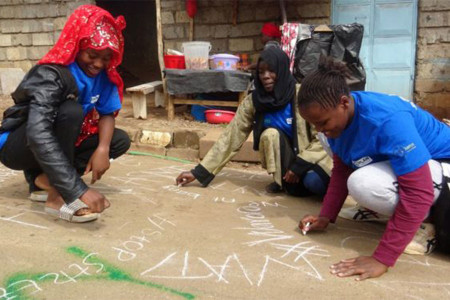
x=245 y=154
x=183 y=143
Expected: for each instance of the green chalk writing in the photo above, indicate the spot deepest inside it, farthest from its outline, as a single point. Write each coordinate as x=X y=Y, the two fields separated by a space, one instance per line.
x=16 y=284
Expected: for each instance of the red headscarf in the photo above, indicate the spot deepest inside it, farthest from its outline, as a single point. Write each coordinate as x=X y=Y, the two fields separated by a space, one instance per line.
x=271 y=30
x=90 y=26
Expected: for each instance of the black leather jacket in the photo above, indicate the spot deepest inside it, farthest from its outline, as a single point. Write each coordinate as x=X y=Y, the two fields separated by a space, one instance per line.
x=37 y=99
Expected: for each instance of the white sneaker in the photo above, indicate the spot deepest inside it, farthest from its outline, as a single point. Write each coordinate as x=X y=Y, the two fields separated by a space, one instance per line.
x=424 y=240
x=362 y=214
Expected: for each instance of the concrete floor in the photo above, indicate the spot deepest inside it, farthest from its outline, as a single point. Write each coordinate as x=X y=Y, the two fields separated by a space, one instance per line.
x=158 y=241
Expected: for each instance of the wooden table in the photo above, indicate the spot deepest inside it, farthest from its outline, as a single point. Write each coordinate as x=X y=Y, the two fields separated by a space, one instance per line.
x=182 y=82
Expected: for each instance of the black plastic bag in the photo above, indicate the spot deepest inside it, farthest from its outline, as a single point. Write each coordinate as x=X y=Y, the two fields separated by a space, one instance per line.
x=343 y=44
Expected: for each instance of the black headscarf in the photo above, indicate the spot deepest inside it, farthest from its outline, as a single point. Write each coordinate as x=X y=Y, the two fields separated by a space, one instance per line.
x=282 y=94
x=284 y=88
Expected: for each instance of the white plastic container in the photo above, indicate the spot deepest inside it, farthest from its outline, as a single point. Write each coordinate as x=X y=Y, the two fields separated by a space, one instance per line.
x=196 y=55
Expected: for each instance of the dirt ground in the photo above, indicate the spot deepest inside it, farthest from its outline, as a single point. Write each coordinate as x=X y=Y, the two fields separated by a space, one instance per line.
x=158 y=241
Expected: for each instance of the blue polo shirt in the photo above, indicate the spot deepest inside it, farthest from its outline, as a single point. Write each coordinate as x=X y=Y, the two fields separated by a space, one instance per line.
x=281 y=119
x=387 y=127
x=96 y=92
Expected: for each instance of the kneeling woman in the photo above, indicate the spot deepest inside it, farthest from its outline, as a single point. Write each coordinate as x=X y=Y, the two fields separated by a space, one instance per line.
x=287 y=144
x=53 y=137
x=389 y=154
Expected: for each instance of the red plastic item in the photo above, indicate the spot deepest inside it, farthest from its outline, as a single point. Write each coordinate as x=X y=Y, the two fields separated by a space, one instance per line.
x=191 y=8
x=174 y=61
x=216 y=116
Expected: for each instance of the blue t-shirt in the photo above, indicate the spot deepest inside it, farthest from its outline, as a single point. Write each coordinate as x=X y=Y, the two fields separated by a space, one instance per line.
x=387 y=127
x=98 y=91
x=281 y=119
x=3 y=137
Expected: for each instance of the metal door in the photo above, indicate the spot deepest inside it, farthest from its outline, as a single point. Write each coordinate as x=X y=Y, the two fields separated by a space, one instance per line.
x=389 y=44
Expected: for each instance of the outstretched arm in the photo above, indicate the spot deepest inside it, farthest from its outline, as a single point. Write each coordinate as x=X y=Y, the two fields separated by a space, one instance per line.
x=416 y=197
x=228 y=144
x=334 y=199
x=99 y=161
x=337 y=190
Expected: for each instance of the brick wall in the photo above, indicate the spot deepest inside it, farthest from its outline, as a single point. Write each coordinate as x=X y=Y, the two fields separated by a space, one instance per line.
x=432 y=82
x=28 y=29
x=213 y=22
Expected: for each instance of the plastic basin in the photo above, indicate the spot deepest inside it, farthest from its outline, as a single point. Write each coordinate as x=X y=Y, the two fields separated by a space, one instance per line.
x=216 y=116
x=174 y=62
x=225 y=61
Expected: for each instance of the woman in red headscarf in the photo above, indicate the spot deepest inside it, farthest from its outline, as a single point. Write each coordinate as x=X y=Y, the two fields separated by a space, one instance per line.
x=62 y=124
x=270 y=37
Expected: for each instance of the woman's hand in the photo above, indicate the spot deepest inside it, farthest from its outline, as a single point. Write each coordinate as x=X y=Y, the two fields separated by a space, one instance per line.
x=310 y=222
x=98 y=164
x=364 y=266
x=96 y=201
x=291 y=177
x=185 y=178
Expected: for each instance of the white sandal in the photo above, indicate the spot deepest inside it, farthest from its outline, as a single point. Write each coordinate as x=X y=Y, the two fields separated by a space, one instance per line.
x=39 y=196
x=67 y=212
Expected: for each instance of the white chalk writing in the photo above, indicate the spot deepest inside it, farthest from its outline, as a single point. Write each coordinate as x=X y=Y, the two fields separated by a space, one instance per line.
x=128 y=249
x=175 y=189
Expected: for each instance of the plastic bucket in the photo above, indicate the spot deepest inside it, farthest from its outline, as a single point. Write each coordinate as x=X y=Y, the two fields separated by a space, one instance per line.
x=196 y=55
x=174 y=62
x=225 y=61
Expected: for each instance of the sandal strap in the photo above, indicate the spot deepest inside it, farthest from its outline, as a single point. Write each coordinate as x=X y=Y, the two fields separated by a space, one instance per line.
x=67 y=212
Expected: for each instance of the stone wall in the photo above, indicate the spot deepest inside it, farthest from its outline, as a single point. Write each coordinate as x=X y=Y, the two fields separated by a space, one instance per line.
x=213 y=22
x=432 y=82
x=28 y=29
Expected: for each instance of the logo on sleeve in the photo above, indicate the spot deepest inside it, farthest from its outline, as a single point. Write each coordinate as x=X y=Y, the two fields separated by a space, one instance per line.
x=363 y=161
x=410 y=147
x=401 y=151
x=94 y=99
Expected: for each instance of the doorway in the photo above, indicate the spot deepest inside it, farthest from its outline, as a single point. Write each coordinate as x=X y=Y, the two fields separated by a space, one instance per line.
x=140 y=60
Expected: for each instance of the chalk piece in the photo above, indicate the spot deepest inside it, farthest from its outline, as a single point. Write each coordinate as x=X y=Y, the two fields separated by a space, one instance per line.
x=304 y=228
x=181 y=183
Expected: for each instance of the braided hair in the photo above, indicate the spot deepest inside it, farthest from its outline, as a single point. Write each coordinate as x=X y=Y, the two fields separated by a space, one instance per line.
x=326 y=85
